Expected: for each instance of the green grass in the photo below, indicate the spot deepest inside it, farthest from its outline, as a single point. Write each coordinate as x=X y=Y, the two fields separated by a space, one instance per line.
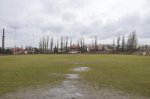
x=123 y=72
x=29 y=71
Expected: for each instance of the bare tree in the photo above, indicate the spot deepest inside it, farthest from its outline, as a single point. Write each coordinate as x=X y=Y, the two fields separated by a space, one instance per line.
x=92 y=43
x=78 y=45
x=118 y=43
x=47 y=44
x=43 y=44
x=123 y=43
x=66 y=44
x=82 y=44
x=70 y=42
x=132 y=42
x=113 y=44
x=134 y=39
x=51 y=44
x=40 y=45
x=61 y=44
x=57 y=44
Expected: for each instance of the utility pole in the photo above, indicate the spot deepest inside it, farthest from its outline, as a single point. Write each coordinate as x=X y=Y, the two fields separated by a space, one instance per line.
x=3 y=41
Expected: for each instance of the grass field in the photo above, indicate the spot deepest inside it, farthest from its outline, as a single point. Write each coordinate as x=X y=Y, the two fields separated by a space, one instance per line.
x=122 y=72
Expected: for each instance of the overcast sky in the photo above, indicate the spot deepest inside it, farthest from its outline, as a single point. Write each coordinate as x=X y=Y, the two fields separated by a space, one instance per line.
x=26 y=21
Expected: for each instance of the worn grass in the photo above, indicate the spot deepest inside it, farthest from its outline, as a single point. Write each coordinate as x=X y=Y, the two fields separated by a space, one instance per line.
x=123 y=72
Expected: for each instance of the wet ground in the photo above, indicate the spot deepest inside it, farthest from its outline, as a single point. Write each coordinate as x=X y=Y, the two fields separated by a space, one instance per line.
x=72 y=88
x=81 y=69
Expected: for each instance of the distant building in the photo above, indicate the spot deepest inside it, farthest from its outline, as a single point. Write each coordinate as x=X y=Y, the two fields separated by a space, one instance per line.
x=108 y=47
x=100 y=47
x=17 y=51
x=74 y=49
x=144 y=49
x=29 y=50
x=90 y=48
x=63 y=50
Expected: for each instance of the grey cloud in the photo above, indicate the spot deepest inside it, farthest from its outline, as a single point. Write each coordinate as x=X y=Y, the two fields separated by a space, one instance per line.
x=58 y=7
x=57 y=28
x=69 y=17
x=60 y=17
x=123 y=26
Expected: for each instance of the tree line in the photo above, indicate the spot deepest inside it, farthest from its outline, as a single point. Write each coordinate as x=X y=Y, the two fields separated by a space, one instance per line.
x=48 y=45
x=129 y=45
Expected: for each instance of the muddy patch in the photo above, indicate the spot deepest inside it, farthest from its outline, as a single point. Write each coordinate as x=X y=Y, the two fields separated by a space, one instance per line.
x=81 y=69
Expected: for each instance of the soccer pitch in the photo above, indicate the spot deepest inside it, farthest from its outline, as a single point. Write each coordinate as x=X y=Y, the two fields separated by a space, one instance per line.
x=127 y=73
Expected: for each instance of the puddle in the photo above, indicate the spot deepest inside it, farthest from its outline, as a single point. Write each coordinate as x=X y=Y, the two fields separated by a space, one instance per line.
x=67 y=90
x=72 y=76
x=81 y=69
x=55 y=74
x=70 y=89
x=76 y=62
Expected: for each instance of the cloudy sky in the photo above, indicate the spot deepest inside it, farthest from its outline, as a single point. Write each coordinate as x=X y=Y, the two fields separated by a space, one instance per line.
x=26 y=21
